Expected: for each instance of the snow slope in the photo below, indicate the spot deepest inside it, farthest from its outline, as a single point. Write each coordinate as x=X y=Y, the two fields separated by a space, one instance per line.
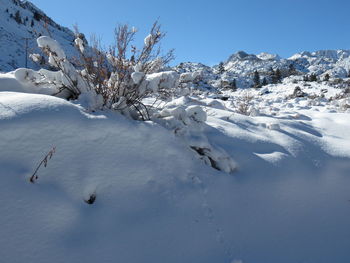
x=156 y=202
x=31 y=24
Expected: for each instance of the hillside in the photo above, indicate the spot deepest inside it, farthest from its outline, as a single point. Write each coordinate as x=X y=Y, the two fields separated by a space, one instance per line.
x=21 y=23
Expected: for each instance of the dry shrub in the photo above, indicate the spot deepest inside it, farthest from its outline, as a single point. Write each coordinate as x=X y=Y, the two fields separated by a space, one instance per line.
x=110 y=71
x=117 y=78
x=244 y=103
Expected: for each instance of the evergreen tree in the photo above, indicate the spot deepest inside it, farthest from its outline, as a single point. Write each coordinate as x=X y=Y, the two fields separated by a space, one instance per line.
x=264 y=82
x=278 y=75
x=291 y=70
x=18 y=17
x=272 y=74
x=326 y=77
x=221 y=68
x=306 y=78
x=313 y=77
x=233 y=85
x=256 y=79
x=37 y=16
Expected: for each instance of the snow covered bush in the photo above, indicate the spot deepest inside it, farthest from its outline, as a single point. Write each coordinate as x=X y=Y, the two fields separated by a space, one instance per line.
x=244 y=104
x=119 y=78
x=124 y=74
x=67 y=82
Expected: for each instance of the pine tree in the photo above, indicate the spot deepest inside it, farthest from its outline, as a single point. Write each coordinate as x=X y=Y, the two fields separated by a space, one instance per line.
x=221 y=68
x=37 y=16
x=326 y=77
x=273 y=76
x=264 y=82
x=256 y=79
x=291 y=70
x=234 y=85
x=18 y=17
x=278 y=75
x=313 y=77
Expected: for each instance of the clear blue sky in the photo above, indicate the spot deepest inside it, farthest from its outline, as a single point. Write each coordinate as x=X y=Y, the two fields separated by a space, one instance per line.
x=209 y=31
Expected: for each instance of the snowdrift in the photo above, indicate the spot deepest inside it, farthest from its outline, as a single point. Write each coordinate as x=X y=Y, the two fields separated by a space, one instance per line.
x=156 y=202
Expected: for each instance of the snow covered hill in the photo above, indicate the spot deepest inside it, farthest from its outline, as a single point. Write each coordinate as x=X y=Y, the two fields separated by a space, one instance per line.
x=21 y=23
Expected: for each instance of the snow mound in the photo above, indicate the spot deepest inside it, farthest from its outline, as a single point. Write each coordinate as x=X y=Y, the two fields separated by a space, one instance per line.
x=135 y=170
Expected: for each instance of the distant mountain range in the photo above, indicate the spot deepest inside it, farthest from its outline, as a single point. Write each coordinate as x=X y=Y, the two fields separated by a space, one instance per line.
x=21 y=23
x=241 y=66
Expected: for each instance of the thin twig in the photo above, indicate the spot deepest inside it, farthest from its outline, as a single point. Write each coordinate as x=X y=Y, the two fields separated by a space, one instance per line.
x=44 y=162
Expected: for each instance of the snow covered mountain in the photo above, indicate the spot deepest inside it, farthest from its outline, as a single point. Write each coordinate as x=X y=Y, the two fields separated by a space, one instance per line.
x=242 y=66
x=21 y=23
x=334 y=62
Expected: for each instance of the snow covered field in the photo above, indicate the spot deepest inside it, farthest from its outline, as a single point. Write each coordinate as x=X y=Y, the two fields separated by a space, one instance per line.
x=156 y=201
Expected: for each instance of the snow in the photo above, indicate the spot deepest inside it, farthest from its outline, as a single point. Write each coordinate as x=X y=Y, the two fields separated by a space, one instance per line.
x=105 y=158
x=19 y=39
x=156 y=81
x=45 y=42
x=137 y=77
x=80 y=44
x=215 y=175
x=29 y=81
x=286 y=199
x=148 y=40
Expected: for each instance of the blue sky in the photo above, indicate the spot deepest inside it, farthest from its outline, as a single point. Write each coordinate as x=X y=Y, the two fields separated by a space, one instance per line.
x=210 y=31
